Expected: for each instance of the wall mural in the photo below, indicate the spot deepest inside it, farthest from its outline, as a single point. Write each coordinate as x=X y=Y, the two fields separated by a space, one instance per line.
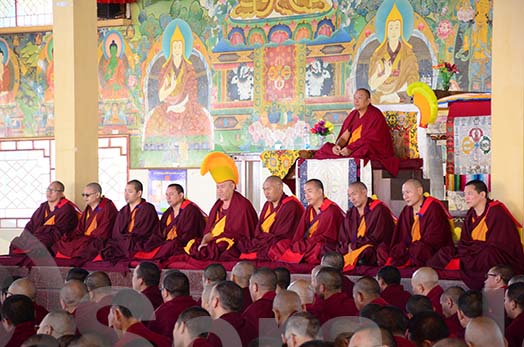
x=189 y=76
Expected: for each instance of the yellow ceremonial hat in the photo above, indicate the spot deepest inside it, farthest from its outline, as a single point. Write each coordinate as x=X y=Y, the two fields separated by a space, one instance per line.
x=221 y=166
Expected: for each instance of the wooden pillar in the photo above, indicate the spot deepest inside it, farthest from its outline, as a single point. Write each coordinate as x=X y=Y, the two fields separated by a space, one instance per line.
x=508 y=106
x=76 y=94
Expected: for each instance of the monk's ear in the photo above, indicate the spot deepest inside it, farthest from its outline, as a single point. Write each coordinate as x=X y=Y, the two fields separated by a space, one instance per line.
x=427 y=343
x=304 y=307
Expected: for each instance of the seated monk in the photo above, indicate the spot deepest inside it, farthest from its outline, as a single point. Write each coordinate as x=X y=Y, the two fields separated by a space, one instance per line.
x=422 y=236
x=364 y=135
x=489 y=236
x=278 y=219
x=93 y=229
x=317 y=229
x=180 y=223
x=136 y=227
x=231 y=218
x=55 y=218
x=367 y=227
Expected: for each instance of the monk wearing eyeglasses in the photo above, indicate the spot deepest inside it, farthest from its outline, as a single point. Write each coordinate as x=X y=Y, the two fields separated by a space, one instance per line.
x=93 y=229
x=54 y=218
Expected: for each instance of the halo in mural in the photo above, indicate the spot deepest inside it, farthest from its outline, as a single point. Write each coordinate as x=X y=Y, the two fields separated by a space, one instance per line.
x=405 y=9
x=186 y=32
x=4 y=47
x=116 y=37
x=49 y=49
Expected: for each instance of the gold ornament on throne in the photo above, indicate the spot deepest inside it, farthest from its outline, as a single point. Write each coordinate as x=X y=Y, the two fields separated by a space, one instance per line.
x=247 y=9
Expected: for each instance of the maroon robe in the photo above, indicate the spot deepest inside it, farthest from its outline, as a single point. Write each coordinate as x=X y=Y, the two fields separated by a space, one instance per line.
x=286 y=217
x=314 y=233
x=514 y=333
x=40 y=312
x=92 y=317
x=246 y=298
x=131 y=235
x=396 y=296
x=337 y=305
x=90 y=235
x=262 y=308
x=241 y=219
x=455 y=328
x=403 y=342
x=154 y=296
x=370 y=139
x=201 y=342
x=434 y=296
x=502 y=244
x=187 y=225
x=46 y=227
x=167 y=314
x=22 y=332
x=378 y=224
x=347 y=285
x=139 y=331
x=435 y=242
x=243 y=327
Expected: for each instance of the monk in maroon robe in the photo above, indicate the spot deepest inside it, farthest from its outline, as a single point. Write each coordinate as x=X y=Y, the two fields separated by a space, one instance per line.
x=231 y=218
x=93 y=229
x=392 y=291
x=490 y=236
x=54 y=219
x=367 y=227
x=364 y=135
x=514 y=305
x=278 y=219
x=17 y=321
x=422 y=236
x=180 y=223
x=317 y=230
x=262 y=285
x=136 y=227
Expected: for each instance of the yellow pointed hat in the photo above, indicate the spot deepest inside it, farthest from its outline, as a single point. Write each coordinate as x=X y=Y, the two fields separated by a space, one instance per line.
x=221 y=166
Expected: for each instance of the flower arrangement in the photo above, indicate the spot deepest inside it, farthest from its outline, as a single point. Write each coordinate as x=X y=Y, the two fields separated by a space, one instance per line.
x=446 y=72
x=323 y=128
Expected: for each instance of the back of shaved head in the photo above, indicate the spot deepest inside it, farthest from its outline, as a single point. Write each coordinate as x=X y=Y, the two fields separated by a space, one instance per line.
x=331 y=278
x=304 y=289
x=426 y=276
x=72 y=293
x=334 y=260
x=265 y=278
x=215 y=273
x=454 y=293
x=367 y=286
x=23 y=286
x=242 y=272
x=372 y=336
x=98 y=280
x=62 y=323
x=287 y=302
x=483 y=332
x=451 y=342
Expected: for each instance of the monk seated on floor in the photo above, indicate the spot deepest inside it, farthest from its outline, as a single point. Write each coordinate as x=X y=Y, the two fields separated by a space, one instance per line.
x=317 y=230
x=136 y=227
x=231 y=218
x=489 y=237
x=364 y=135
x=54 y=219
x=422 y=236
x=368 y=226
x=278 y=219
x=93 y=229
x=180 y=223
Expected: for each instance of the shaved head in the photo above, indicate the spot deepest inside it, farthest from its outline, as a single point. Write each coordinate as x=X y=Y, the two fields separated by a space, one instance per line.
x=414 y=182
x=451 y=342
x=329 y=277
x=275 y=180
x=366 y=290
x=97 y=279
x=483 y=332
x=372 y=336
x=206 y=295
x=214 y=273
x=241 y=273
x=264 y=280
x=334 y=260
x=23 y=286
x=285 y=304
x=72 y=294
x=423 y=280
x=61 y=322
x=358 y=185
x=304 y=289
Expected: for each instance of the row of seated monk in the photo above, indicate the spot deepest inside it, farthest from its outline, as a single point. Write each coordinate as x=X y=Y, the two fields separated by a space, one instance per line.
x=262 y=307
x=368 y=234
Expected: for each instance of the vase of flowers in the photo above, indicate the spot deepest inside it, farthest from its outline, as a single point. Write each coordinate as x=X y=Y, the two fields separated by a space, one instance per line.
x=322 y=128
x=446 y=72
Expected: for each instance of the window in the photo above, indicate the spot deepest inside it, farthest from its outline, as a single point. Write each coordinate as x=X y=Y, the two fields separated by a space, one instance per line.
x=15 y=13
